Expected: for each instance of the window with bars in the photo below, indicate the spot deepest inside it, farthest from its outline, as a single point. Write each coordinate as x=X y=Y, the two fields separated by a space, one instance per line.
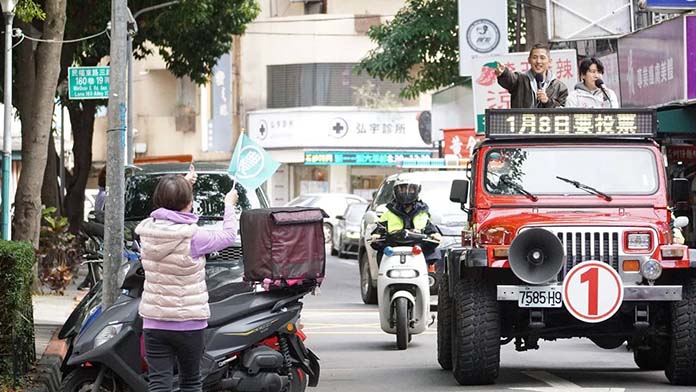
x=324 y=84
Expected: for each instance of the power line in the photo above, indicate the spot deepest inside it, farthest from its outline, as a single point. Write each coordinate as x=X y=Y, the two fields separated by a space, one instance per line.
x=23 y=36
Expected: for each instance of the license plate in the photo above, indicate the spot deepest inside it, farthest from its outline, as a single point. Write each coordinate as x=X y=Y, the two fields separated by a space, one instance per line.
x=540 y=297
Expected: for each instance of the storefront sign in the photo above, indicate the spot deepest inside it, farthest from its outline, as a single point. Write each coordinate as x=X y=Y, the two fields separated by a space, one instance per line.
x=681 y=154
x=651 y=65
x=336 y=128
x=460 y=142
x=361 y=158
x=489 y=95
x=571 y=122
x=670 y=4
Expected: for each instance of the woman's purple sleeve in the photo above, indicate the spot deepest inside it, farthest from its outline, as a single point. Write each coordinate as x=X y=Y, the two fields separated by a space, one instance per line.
x=208 y=241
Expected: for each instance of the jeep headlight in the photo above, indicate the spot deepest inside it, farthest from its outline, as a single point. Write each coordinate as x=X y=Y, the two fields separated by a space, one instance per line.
x=107 y=333
x=651 y=270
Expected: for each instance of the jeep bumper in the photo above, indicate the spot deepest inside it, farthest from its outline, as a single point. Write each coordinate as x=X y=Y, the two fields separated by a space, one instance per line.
x=631 y=293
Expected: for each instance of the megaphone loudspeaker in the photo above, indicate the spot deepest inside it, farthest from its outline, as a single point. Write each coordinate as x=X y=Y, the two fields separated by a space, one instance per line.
x=536 y=256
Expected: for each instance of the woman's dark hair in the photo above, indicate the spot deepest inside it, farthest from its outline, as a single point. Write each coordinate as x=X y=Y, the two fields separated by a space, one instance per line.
x=172 y=192
x=586 y=63
x=101 y=178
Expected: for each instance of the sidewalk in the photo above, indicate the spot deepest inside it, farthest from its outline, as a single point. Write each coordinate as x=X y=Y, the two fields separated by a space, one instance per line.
x=50 y=312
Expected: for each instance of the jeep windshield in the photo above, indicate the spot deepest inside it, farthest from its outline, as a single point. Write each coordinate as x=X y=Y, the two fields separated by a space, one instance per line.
x=609 y=171
x=208 y=195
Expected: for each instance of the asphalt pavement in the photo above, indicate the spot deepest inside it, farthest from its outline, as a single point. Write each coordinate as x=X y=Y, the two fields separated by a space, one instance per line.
x=357 y=356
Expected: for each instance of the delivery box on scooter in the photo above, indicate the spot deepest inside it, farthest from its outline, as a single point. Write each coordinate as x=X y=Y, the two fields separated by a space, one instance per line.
x=283 y=244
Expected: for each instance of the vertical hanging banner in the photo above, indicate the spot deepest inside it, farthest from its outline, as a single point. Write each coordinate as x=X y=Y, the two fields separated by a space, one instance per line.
x=220 y=125
x=482 y=30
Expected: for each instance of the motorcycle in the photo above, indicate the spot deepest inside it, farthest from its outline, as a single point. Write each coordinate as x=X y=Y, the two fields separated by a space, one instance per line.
x=403 y=285
x=252 y=343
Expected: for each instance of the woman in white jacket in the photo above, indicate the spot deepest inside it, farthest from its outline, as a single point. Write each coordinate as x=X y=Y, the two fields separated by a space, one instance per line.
x=591 y=92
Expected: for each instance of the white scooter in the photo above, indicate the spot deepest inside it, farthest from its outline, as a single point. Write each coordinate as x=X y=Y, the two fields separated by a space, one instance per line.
x=403 y=289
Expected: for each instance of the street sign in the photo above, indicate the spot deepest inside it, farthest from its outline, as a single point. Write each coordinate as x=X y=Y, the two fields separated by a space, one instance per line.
x=592 y=291
x=88 y=82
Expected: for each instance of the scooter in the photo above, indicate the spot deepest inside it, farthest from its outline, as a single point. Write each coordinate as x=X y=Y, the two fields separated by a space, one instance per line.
x=403 y=286
x=252 y=344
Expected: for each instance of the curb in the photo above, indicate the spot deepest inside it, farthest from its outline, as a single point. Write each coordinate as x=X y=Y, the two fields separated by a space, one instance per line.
x=47 y=372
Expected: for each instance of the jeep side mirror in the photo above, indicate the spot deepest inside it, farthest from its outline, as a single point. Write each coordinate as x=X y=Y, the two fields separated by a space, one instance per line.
x=679 y=190
x=681 y=221
x=459 y=193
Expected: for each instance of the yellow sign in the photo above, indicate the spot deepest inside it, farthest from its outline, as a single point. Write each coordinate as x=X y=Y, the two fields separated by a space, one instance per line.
x=571 y=123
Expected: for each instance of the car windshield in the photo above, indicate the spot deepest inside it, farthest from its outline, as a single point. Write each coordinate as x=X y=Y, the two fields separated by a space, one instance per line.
x=435 y=195
x=536 y=170
x=355 y=212
x=208 y=192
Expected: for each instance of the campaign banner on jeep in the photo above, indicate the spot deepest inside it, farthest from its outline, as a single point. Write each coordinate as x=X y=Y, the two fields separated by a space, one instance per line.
x=482 y=30
x=489 y=95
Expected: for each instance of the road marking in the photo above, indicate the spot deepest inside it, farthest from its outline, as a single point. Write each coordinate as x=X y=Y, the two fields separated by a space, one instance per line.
x=551 y=379
x=559 y=384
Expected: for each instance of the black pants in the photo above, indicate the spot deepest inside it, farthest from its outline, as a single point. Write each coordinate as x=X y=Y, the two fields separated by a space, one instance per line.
x=163 y=348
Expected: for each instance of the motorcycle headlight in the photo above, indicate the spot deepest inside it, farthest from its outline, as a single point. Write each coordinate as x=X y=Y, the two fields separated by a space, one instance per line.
x=107 y=333
x=402 y=273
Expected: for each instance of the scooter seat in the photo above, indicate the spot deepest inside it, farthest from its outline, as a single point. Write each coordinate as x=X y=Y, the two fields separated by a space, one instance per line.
x=240 y=305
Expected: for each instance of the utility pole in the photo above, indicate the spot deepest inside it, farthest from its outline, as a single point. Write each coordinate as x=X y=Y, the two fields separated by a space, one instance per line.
x=116 y=139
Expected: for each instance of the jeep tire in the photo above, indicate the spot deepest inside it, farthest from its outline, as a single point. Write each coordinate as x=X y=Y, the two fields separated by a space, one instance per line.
x=681 y=367
x=476 y=330
x=444 y=324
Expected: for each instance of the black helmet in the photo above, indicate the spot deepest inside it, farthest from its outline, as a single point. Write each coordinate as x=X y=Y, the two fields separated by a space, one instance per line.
x=406 y=191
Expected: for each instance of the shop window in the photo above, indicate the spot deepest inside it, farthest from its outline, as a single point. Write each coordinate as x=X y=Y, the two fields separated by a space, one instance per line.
x=311 y=179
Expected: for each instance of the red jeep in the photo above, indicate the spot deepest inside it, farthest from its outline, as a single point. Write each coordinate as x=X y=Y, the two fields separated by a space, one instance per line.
x=571 y=235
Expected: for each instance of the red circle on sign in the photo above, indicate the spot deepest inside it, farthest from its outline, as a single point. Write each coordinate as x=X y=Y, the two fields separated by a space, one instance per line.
x=614 y=307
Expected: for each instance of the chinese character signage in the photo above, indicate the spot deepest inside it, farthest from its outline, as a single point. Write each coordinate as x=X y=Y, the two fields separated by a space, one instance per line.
x=361 y=158
x=88 y=82
x=489 y=95
x=220 y=124
x=460 y=142
x=651 y=64
x=571 y=122
x=685 y=154
x=321 y=128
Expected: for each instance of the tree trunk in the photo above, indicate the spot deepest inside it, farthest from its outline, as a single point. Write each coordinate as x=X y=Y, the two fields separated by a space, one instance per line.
x=82 y=120
x=37 y=77
x=535 y=16
x=50 y=190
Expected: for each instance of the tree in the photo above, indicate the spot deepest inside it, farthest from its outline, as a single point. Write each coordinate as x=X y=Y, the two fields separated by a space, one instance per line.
x=420 y=46
x=191 y=36
x=36 y=78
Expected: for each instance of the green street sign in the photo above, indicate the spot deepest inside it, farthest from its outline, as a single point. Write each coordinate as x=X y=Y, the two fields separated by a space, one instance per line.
x=88 y=82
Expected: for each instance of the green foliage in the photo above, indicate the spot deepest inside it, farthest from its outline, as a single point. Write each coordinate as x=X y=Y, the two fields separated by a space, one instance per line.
x=28 y=10
x=420 y=46
x=191 y=36
x=16 y=319
x=58 y=251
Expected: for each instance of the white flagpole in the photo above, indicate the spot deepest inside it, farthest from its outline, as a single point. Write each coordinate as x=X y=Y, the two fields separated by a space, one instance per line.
x=239 y=155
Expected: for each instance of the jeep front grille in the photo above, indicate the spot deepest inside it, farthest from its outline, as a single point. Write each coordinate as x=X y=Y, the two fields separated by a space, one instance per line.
x=583 y=245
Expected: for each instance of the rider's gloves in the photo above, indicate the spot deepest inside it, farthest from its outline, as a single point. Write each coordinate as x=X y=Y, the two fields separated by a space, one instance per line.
x=436 y=236
x=375 y=237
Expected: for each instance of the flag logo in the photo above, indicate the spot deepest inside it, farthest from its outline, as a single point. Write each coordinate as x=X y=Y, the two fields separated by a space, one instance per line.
x=251 y=165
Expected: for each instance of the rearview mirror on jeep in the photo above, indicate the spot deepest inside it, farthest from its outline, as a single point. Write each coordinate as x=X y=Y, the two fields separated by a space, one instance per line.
x=459 y=193
x=679 y=190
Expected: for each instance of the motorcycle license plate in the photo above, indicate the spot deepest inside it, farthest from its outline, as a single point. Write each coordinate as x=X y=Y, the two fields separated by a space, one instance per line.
x=540 y=297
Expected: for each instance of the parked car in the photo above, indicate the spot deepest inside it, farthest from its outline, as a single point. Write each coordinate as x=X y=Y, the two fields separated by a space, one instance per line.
x=448 y=216
x=334 y=204
x=208 y=202
x=346 y=234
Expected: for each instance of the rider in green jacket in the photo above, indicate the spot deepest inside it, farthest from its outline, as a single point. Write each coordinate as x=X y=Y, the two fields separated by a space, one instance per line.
x=408 y=212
